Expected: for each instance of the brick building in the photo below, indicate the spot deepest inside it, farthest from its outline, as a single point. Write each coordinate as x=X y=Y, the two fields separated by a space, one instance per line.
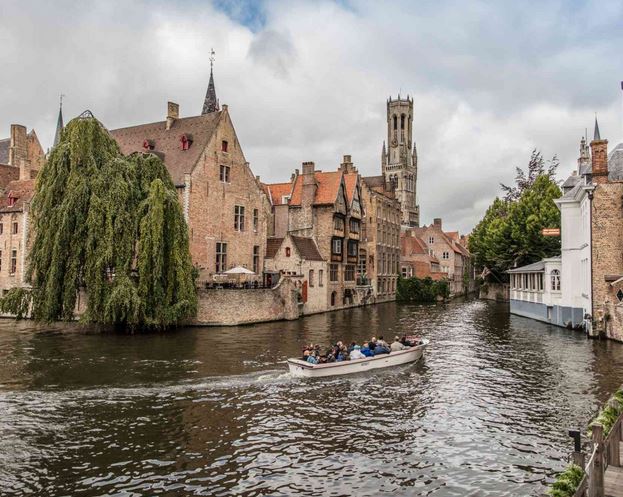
x=416 y=260
x=227 y=210
x=379 y=256
x=454 y=259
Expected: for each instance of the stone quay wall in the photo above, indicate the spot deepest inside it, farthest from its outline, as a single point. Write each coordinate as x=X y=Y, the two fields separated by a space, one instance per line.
x=218 y=307
x=500 y=292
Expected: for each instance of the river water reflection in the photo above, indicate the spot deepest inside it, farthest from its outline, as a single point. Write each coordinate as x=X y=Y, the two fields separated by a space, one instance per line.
x=213 y=412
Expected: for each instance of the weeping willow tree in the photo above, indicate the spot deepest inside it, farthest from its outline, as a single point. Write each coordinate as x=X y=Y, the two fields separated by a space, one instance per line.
x=111 y=226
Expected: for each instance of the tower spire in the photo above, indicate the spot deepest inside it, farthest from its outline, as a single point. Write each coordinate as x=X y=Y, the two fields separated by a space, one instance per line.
x=210 y=104
x=596 y=135
x=59 y=123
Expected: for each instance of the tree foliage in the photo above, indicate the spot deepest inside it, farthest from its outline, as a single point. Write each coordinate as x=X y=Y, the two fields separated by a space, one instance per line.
x=509 y=234
x=112 y=226
x=421 y=290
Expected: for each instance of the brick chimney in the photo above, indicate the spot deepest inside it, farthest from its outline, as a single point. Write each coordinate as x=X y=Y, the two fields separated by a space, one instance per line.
x=24 y=169
x=347 y=165
x=173 y=113
x=18 y=145
x=437 y=223
x=308 y=193
x=599 y=157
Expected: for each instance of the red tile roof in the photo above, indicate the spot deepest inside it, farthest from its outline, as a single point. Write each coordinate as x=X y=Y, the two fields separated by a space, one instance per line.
x=350 y=179
x=328 y=186
x=22 y=191
x=167 y=142
x=276 y=192
x=272 y=246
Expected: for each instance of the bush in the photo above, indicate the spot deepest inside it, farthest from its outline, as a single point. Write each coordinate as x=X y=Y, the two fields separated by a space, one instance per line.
x=421 y=290
x=567 y=482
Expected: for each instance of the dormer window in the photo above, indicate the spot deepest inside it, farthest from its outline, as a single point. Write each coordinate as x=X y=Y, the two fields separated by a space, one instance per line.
x=12 y=201
x=149 y=144
x=186 y=141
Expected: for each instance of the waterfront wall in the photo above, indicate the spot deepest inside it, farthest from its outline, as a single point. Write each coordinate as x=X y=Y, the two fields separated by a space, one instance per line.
x=566 y=317
x=495 y=291
x=245 y=306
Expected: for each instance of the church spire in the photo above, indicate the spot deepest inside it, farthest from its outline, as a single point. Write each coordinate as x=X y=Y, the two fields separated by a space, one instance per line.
x=596 y=136
x=210 y=104
x=59 y=123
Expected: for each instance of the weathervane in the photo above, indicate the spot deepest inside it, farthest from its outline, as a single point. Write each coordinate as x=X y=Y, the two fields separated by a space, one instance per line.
x=212 y=53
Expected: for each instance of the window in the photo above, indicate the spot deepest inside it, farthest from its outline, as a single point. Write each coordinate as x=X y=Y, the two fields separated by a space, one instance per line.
x=349 y=272
x=445 y=255
x=256 y=259
x=362 y=263
x=288 y=251
x=11 y=201
x=555 y=275
x=353 y=248
x=224 y=146
x=1 y=228
x=0 y=260
x=320 y=277
x=333 y=272
x=224 y=174
x=256 y=219
x=13 y=261
x=354 y=226
x=395 y=122
x=333 y=297
x=404 y=271
x=239 y=218
x=15 y=228
x=311 y=277
x=338 y=223
x=336 y=246
x=221 y=257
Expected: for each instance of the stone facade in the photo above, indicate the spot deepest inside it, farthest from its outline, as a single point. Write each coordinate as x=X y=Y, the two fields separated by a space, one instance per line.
x=399 y=159
x=379 y=254
x=227 y=210
x=416 y=261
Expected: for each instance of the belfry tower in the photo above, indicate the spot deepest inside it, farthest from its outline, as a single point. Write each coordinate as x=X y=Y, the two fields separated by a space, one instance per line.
x=399 y=159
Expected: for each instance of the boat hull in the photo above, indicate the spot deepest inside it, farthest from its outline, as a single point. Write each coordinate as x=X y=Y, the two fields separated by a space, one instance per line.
x=304 y=369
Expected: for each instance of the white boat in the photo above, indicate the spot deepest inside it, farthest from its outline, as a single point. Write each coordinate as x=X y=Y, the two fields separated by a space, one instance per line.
x=304 y=369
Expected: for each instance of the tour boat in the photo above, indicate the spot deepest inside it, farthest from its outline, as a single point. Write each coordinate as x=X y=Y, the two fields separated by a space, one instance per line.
x=304 y=369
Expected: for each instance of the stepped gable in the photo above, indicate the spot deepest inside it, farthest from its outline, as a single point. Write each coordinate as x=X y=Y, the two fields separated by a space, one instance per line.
x=328 y=186
x=167 y=141
x=307 y=248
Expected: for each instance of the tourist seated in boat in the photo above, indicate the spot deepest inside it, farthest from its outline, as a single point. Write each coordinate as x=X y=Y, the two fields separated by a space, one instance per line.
x=356 y=353
x=365 y=350
x=382 y=342
x=379 y=349
x=397 y=345
x=312 y=359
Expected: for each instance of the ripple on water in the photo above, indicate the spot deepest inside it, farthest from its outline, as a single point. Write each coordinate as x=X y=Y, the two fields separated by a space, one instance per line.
x=484 y=414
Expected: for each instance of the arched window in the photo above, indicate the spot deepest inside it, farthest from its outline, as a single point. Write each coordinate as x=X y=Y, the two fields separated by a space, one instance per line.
x=555 y=275
x=395 y=122
x=311 y=277
x=333 y=295
x=402 y=121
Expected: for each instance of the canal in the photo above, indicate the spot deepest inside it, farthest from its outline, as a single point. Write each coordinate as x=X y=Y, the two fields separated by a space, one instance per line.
x=212 y=411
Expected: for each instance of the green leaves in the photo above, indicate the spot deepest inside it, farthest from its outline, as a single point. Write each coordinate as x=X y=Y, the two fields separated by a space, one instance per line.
x=509 y=234
x=110 y=225
x=567 y=482
x=421 y=290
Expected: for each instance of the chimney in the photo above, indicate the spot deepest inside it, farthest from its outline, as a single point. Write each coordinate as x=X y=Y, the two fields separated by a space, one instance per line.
x=437 y=222
x=599 y=157
x=18 y=145
x=309 y=192
x=347 y=165
x=24 y=169
x=224 y=108
x=173 y=113
x=308 y=168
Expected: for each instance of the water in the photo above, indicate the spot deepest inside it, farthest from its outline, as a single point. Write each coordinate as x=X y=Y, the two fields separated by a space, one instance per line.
x=213 y=411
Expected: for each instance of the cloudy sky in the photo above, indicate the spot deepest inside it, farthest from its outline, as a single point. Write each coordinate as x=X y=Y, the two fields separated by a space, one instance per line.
x=308 y=80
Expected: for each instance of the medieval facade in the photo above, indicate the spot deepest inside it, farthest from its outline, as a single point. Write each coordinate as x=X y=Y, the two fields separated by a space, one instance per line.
x=227 y=210
x=399 y=159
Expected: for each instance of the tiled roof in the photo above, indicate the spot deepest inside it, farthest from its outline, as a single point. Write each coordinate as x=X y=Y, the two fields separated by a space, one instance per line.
x=21 y=190
x=350 y=179
x=4 y=150
x=530 y=268
x=276 y=192
x=374 y=181
x=307 y=248
x=328 y=186
x=454 y=235
x=272 y=246
x=167 y=142
x=7 y=174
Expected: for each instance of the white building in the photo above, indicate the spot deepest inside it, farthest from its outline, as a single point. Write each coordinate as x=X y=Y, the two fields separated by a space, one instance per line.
x=536 y=291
